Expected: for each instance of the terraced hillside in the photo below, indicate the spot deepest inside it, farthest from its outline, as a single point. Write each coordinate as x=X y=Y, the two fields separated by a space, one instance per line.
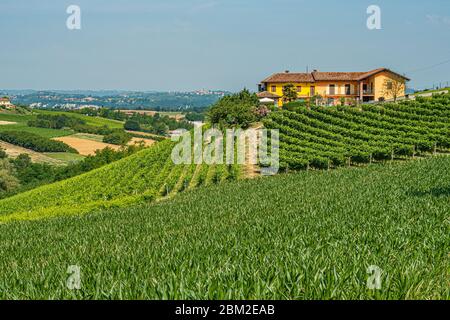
x=324 y=137
x=145 y=176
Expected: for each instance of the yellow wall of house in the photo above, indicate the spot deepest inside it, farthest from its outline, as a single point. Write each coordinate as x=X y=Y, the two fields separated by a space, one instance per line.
x=279 y=88
x=304 y=93
x=322 y=87
x=379 y=81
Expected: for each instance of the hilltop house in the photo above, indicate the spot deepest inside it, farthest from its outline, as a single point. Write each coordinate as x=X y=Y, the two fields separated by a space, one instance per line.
x=6 y=103
x=375 y=85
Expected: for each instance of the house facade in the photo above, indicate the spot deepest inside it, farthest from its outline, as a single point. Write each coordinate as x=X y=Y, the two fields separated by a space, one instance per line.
x=6 y=103
x=375 y=85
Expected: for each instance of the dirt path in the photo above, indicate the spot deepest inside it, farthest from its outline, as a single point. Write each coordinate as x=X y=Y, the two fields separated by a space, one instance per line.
x=252 y=171
x=5 y=123
x=14 y=151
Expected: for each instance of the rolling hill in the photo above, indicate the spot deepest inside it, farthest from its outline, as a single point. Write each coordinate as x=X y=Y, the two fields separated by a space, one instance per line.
x=308 y=235
x=145 y=176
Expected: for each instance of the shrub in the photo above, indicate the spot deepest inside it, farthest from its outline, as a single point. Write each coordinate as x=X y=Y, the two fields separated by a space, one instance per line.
x=118 y=137
x=34 y=142
x=235 y=110
x=132 y=125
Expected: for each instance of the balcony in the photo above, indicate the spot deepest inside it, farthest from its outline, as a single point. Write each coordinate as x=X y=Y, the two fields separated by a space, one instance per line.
x=368 y=92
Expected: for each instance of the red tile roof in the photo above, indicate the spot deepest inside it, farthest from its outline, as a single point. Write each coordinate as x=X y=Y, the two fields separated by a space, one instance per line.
x=290 y=77
x=326 y=76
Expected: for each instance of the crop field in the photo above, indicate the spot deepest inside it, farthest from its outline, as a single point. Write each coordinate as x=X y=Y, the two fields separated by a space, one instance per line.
x=85 y=147
x=20 y=124
x=93 y=121
x=329 y=137
x=14 y=151
x=64 y=157
x=143 y=177
x=308 y=235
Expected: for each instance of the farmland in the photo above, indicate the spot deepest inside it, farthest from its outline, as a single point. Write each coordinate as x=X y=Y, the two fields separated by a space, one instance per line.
x=85 y=146
x=308 y=235
x=19 y=123
x=146 y=176
x=202 y=231
x=327 y=137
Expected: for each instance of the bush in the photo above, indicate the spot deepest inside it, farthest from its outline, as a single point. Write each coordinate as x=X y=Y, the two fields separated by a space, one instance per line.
x=293 y=106
x=195 y=116
x=236 y=110
x=132 y=125
x=34 y=142
x=118 y=137
x=55 y=121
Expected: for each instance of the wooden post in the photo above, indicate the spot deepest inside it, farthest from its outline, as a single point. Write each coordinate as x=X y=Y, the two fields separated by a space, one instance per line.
x=349 y=162
x=435 y=148
x=328 y=165
x=370 y=159
x=392 y=155
x=307 y=166
x=414 y=152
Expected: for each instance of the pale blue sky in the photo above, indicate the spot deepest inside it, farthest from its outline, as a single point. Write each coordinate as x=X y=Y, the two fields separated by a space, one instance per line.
x=215 y=44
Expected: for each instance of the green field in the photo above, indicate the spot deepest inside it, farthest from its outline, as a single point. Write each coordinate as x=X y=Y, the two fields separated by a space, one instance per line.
x=65 y=156
x=93 y=121
x=21 y=125
x=309 y=235
x=22 y=120
x=145 y=176
x=329 y=137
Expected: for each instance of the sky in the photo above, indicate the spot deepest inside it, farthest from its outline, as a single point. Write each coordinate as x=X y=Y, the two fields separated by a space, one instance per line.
x=183 y=45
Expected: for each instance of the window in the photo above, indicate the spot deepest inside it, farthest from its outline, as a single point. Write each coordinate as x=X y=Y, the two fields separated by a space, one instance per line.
x=332 y=89
x=389 y=85
x=347 y=89
x=299 y=88
x=273 y=89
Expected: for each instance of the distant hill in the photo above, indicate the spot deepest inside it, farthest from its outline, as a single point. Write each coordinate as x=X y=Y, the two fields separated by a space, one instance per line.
x=163 y=101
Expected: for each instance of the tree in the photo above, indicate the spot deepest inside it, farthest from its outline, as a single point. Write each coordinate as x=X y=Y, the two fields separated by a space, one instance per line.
x=393 y=88
x=235 y=110
x=132 y=125
x=8 y=180
x=118 y=137
x=289 y=93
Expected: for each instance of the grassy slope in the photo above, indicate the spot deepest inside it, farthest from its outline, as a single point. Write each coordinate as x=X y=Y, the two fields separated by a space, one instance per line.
x=65 y=156
x=145 y=176
x=21 y=125
x=304 y=235
x=93 y=121
x=22 y=120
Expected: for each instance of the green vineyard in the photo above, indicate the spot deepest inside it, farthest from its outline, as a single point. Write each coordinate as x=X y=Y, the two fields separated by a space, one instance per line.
x=326 y=137
x=144 y=177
